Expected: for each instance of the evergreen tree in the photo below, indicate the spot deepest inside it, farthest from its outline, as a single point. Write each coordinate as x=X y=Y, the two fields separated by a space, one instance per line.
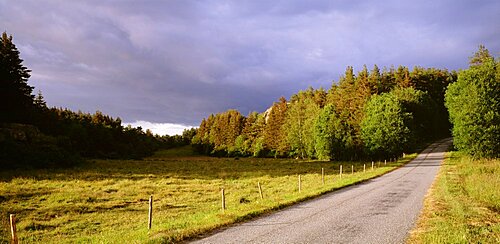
x=374 y=80
x=39 y=101
x=16 y=100
x=402 y=77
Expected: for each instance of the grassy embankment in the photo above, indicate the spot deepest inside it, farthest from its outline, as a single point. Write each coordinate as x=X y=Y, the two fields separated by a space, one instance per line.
x=463 y=205
x=107 y=200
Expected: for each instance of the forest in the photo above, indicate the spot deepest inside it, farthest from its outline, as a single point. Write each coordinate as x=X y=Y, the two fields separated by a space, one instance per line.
x=372 y=113
x=33 y=135
x=369 y=114
x=375 y=114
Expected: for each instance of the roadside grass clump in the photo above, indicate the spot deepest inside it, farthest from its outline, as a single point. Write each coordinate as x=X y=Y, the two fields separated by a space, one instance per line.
x=106 y=201
x=463 y=205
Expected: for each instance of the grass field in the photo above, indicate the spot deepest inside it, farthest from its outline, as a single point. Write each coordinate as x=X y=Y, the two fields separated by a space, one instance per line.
x=107 y=200
x=463 y=205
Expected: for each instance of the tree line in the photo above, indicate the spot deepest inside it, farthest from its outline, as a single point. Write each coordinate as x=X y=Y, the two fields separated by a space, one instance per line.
x=34 y=135
x=375 y=114
x=372 y=113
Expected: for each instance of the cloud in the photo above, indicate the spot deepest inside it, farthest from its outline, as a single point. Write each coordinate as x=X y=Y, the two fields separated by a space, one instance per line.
x=160 y=128
x=178 y=61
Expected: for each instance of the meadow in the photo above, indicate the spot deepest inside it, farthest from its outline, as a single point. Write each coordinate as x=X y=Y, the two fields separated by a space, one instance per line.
x=463 y=205
x=107 y=200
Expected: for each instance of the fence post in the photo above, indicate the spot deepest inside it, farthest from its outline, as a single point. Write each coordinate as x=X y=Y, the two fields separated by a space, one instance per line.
x=352 y=169
x=13 y=229
x=364 y=168
x=340 y=171
x=150 y=214
x=372 y=165
x=260 y=190
x=385 y=162
x=223 y=200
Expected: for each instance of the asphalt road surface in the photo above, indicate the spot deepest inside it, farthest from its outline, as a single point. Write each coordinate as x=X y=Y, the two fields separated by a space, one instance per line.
x=382 y=210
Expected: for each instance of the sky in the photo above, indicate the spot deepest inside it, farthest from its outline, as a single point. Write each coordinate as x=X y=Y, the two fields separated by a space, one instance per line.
x=166 y=65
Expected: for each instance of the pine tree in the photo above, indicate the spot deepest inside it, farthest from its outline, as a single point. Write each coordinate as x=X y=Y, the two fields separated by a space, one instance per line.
x=39 y=101
x=374 y=79
x=16 y=101
x=402 y=77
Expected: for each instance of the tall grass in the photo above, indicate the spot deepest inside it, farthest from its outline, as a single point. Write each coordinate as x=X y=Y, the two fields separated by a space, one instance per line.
x=464 y=203
x=107 y=200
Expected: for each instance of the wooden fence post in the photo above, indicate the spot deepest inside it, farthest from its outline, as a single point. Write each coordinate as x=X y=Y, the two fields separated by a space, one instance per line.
x=260 y=190
x=364 y=168
x=13 y=229
x=372 y=165
x=223 y=200
x=340 y=171
x=150 y=214
x=352 y=169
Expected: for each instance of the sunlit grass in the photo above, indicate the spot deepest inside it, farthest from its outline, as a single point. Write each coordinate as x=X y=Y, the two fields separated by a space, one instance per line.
x=107 y=200
x=463 y=205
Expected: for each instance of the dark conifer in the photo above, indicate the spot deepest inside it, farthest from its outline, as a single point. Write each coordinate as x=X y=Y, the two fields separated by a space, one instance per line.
x=16 y=100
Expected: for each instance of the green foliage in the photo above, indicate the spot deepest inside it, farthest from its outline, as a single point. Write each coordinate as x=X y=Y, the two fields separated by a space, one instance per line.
x=385 y=129
x=304 y=127
x=299 y=126
x=473 y=103
x=323 y=133
x=426 y=119
x=332 y=136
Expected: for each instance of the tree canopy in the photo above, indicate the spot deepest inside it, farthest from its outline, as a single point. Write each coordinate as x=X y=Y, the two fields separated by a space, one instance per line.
x=366 y=114
x=473 y=103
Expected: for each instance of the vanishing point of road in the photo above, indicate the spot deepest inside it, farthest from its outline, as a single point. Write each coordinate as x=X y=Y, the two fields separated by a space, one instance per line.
x=381 y=210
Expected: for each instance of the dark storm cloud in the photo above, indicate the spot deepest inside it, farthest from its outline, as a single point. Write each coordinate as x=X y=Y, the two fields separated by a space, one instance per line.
x=178 y=61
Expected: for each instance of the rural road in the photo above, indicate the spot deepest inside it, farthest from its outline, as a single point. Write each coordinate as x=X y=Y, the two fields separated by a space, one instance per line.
x=382 y=210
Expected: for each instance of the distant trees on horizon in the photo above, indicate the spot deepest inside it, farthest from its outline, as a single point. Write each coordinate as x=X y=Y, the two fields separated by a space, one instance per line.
x=33 y=135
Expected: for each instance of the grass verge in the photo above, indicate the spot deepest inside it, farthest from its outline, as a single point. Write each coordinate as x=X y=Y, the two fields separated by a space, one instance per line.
x=107 y=200
x=463 y=205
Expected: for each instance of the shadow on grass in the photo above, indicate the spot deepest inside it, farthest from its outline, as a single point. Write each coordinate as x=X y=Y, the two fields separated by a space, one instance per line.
x=182 y=164
x=203 y=168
